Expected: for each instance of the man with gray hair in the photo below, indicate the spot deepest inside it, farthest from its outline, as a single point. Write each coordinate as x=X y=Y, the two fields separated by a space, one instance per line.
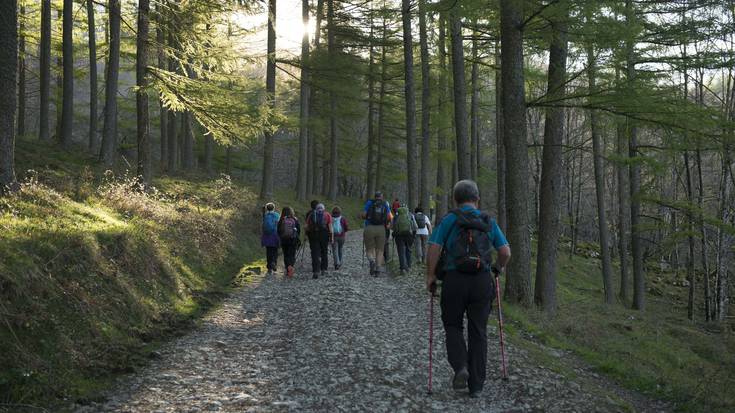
x=459 y=254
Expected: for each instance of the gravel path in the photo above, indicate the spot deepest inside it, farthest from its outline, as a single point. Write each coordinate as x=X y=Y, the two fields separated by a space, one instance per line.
x=344 y=342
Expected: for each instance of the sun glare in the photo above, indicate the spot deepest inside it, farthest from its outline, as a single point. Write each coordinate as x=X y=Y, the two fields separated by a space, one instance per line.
x=289 y=26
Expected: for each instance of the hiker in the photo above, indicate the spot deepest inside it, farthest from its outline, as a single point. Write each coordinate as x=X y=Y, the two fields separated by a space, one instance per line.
x=467 y=283
x=289 y=231
x=319 y=231
x=395 y=205
x=423 y=225
x=404 y=230
x=339 y=229
x=269 y=238
x=377 y=216
x=432 y=207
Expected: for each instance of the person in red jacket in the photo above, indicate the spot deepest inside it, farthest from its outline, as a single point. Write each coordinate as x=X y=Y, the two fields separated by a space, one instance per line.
x=339 y=231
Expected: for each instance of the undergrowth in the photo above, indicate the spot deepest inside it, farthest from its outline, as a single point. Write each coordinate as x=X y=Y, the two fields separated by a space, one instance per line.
x=658 y=352
x=95 y=271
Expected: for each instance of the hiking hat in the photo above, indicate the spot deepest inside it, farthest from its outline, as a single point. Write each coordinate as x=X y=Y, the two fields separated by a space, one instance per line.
x=270 y=206
x=378 y=194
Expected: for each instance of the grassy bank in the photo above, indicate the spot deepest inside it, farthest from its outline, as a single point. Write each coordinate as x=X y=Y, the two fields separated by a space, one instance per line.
x=95 y=273
x=658 y=352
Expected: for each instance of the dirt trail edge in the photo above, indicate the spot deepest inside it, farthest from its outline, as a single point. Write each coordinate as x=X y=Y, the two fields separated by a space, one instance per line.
x=344 y=342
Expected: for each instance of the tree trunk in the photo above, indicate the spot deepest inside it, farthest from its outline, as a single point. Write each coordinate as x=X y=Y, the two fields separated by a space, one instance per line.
x=442 y=170
x=314 y=162
x=92 y=145
x=266 y=188
x=109 y=129
x=690 y=237
x=141 y=98
x=599 y=167
x=22 y=74
x=163 y=65
x=425 y=109
x=371 y=147
x=724 y=239
x=301 y=176
x=8 y=84
x=460 y=98
x=187 y=135
x=381 y=111
x=59 y=79
x=500 y=154
x=67 y=108
x=475 y=111
x=623 y=208
x=639 y=283
x=410 y=104
x=551 y=191
x=187 y=153
x=45 y=70
x=518 y=287
x=333 y=139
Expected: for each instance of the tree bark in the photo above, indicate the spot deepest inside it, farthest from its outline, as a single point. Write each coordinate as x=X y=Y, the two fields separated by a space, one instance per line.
x=163 y=65
x=475 y=110
x=45 y=70
x=599 y=169
x=314 y=163
x=67 y=108
x=425 y=110
x=302 y=176
x=639 y=283
x=8 y=84
x=500 y=155
x=92 y=144
x=371 y=147
x=381 y=111
x=551 y=191
x=109 y=129
x=266 y=188
x=21 y=73
x=460 y=98
x=333 y=138
x=518 y=287
x=442 y=170
x=187 y=135
x=141 y=98
x=59 y=78
x=623 y=206
x=410 y=104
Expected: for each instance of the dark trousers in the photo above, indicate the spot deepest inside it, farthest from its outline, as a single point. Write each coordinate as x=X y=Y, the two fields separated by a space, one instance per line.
x=289 y=252
x=271 y=255
x=403 y=245
x=386 y=247
x=319 y=245
x=471 y=294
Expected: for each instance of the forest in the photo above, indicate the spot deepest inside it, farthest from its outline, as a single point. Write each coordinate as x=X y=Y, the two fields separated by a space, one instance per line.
x=601 y=134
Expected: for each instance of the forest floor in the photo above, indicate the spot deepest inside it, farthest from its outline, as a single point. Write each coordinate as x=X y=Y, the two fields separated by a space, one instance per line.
x=344 y=342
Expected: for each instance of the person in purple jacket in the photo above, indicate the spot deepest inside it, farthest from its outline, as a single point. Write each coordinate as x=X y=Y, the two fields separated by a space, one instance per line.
x=269 y=238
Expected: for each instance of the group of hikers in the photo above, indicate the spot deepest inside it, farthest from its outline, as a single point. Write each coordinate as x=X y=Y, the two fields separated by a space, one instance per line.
x=457 y=251
x=322 y=229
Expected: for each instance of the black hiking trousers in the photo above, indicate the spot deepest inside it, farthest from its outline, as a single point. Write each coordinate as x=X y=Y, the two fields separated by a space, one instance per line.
x=271 y=254
x=289 y=251
x=472 y=294
x=319 y=245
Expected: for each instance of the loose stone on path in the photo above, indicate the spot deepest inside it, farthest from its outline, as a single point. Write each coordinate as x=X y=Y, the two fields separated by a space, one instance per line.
x=344 y=342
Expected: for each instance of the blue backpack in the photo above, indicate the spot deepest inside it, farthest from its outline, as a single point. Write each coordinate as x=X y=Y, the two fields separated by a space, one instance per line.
x=270 y=223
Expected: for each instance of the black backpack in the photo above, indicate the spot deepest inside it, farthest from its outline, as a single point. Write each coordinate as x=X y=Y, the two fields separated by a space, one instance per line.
x=377 y=213
x=420 y=220
x=472 y=250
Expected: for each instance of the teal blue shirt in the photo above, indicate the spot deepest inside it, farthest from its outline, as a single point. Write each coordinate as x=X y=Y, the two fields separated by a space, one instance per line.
x=446 y=232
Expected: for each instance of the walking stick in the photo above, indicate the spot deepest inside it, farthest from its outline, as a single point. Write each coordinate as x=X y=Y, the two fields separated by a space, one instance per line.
x=432 y=294
x=500 y=323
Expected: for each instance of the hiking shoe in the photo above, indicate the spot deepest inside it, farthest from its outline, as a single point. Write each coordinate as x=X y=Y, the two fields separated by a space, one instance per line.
x=315 y=275
x=475 y=394
x=289 y=271
x=459 y=382
x=324 y=273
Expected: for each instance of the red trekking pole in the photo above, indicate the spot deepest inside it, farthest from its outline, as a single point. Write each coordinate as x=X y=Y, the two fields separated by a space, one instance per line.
x=500 y=322
x=432 y=294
